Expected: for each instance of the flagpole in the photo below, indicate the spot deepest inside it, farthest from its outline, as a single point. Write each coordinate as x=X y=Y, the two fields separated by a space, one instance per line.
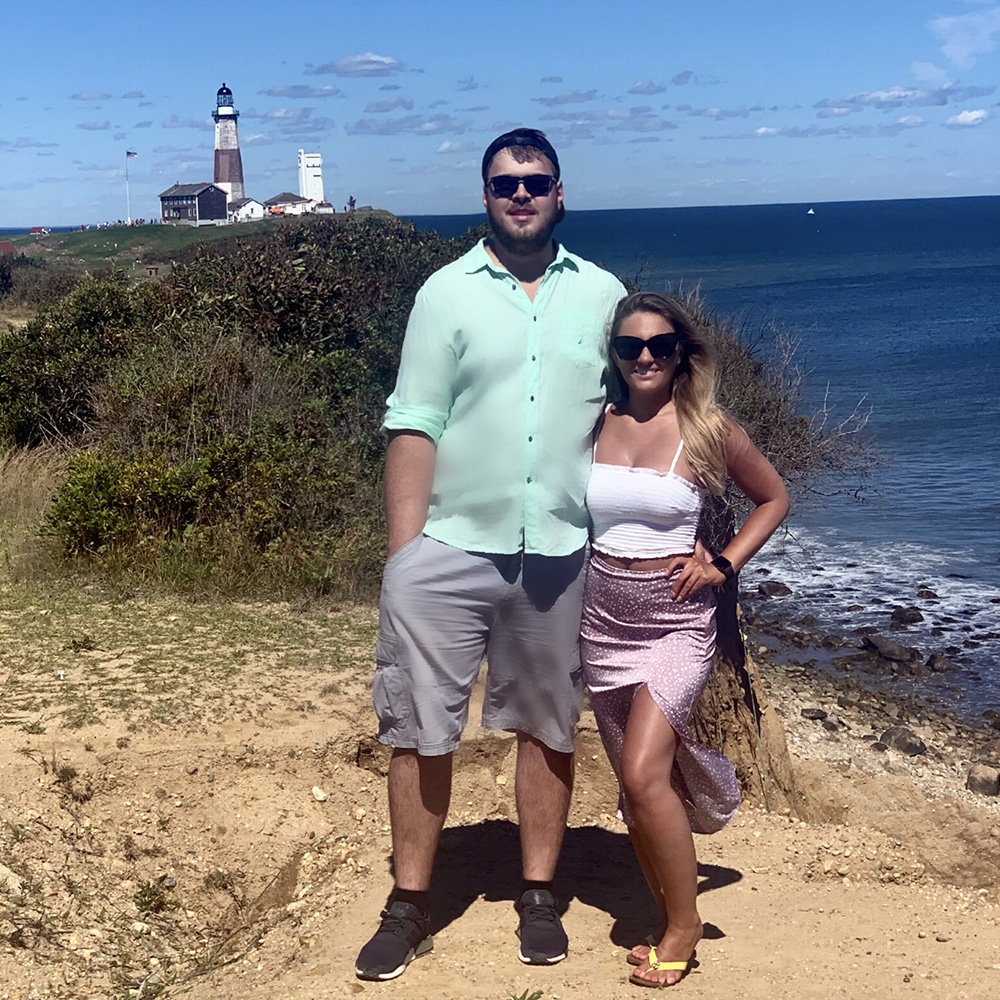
x=128 y=200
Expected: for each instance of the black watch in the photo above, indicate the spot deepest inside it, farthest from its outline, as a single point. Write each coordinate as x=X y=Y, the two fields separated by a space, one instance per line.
x=725 y=567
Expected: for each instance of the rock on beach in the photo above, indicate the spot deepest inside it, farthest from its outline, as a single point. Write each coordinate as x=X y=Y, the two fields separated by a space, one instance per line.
x=983 y=779
x=904 y=740
x=888 y=649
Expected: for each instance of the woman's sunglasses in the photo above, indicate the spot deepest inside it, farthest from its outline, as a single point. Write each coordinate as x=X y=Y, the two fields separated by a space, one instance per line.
x=505 y=185
x=661 y=346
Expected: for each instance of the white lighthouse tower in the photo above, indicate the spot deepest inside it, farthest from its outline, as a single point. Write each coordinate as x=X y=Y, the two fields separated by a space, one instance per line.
x=228 y=162
x=311 y=176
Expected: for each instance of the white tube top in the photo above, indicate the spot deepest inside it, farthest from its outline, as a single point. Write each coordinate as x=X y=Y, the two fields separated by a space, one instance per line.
x=640 y=513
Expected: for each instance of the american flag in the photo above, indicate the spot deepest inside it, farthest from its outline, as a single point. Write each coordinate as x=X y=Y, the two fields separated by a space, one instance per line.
x=129 y=155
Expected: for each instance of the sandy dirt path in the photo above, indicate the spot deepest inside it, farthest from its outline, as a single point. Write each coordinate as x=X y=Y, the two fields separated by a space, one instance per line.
x=243 y=852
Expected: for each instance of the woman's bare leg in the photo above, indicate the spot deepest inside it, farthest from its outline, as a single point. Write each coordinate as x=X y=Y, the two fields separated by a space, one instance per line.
x=663 y=829
x=640 y=951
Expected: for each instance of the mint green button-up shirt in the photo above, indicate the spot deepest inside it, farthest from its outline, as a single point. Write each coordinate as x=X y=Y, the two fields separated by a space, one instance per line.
x=510 y=390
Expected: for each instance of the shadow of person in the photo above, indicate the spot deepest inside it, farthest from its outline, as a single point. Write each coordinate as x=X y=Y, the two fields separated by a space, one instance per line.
x=596 y=866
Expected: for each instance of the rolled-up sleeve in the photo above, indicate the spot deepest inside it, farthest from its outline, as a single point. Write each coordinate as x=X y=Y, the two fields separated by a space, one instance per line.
x=425 y=384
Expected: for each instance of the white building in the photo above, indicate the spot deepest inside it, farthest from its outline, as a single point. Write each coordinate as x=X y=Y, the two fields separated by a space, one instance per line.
x=287 y=203
x=311 y=176
x=246 y=210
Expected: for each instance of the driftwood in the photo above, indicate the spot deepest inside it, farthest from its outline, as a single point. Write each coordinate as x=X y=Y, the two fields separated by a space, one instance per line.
x=734 y=714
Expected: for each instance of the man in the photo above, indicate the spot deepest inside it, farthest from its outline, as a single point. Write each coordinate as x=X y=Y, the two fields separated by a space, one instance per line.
x=500 y=385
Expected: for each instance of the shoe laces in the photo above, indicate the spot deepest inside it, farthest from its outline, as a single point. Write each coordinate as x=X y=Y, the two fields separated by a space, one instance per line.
x=400 y=926
x=536 y=912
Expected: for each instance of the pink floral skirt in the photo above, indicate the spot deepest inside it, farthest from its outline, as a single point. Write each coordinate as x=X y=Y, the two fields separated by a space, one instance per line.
x=634 y=633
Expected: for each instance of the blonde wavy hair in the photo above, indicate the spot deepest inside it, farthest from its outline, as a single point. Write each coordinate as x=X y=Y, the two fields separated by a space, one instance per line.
x=702 y=424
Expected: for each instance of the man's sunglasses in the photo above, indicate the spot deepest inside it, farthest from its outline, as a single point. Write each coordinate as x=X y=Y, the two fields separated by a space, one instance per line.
x=505 y=185
x=661 y=346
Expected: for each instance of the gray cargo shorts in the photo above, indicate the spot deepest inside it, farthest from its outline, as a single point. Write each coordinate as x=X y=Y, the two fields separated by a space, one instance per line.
x=443 y=610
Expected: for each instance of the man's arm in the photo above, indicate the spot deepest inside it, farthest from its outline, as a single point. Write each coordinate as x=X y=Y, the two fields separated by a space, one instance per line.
x=409 y=473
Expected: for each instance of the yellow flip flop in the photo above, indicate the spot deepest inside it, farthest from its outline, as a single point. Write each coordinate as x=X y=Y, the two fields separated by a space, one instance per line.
x=655 y=965
x=632 y=959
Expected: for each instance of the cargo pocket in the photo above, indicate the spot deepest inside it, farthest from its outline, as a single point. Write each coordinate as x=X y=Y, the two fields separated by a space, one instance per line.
x=390 y=692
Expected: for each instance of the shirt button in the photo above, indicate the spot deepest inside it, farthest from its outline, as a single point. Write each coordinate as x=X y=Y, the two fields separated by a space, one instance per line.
x=529 y=479
x=530 y=438
x=532 y=357
x=531 y=399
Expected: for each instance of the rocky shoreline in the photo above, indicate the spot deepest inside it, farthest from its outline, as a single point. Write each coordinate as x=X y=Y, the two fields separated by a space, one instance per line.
x=861 y=697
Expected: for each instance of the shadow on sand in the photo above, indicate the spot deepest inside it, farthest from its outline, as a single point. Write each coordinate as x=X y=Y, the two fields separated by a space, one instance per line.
x=596 y=867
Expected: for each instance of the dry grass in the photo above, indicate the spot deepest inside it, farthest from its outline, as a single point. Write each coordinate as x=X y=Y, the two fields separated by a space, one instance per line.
x=15 y=316
x=74 y=657
x=28 y=479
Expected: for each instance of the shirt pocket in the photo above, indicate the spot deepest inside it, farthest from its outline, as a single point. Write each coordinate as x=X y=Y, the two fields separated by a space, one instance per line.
x=582 y=338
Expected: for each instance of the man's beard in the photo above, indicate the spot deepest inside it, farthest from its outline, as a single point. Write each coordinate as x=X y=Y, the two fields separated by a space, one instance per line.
x=515 y=243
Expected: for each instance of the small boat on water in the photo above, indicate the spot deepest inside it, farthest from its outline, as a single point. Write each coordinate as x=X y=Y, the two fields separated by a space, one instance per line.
x=810 y=212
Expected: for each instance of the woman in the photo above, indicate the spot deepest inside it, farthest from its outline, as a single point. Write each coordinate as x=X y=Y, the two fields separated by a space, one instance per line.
x=649 y=611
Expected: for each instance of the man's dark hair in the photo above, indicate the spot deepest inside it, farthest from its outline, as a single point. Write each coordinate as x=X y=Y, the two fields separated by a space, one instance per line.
x=517 y=140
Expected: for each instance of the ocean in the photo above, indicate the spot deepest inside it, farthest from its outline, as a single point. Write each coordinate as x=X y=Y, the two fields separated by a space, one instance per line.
x=895 y=306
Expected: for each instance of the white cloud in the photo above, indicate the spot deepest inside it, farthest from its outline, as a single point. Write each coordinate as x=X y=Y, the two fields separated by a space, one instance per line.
x=646 y=87
x=640 y=119
x=567 y=97
x=967 y=119
x=389 y=104
x=967 y=36
x=25 y=142
x=95 y=126
x=415 y=124
x=365 y=64
x=898 y=96
x=174 y=121
x=89 y=95
x=287 y=114
x=885 y=130
x=300 y=91
x=928 y=72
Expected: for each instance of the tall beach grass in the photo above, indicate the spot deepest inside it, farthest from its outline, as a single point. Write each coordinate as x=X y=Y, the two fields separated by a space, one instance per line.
x=29 y=478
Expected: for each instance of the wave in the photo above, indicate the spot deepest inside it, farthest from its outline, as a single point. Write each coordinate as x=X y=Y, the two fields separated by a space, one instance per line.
x=846 y=584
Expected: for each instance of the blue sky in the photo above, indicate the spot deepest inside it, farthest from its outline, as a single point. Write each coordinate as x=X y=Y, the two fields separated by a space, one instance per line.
x=652 y=103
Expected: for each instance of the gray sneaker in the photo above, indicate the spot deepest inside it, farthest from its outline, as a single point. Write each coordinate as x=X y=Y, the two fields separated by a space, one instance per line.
x=543 y=940
x=403 y=935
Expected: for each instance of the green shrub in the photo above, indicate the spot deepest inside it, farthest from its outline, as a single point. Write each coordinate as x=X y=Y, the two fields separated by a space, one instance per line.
x=226 y=420
x=29 y=281
x=49 y=367
x=274 y=514
x=334 y=292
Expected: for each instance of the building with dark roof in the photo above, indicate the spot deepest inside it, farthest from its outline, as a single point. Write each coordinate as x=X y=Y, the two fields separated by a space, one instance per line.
x=246 y=210
x=287 y=203
x=194 y=205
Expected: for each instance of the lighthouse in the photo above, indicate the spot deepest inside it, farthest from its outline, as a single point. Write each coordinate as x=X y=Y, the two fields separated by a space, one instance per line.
x=228 y=163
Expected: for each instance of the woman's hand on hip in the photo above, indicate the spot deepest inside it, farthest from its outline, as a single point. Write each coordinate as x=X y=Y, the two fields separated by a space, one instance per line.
x=694 y=574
